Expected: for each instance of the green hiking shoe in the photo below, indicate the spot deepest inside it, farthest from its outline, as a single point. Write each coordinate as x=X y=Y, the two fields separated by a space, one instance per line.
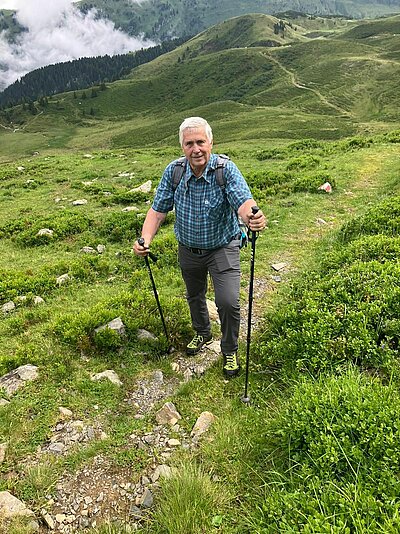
x=198 y=343
x=231 y=365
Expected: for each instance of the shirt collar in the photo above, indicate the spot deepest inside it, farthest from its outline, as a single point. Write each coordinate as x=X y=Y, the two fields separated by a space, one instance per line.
x=211 y=165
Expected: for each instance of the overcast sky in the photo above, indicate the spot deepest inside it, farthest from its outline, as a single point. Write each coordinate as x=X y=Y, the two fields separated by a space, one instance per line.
x=57 y=32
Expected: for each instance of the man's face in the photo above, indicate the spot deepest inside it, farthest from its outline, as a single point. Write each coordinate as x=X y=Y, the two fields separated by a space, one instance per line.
x=197 y=148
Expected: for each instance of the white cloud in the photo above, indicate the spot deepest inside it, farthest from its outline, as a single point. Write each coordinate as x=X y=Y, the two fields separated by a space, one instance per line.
x=58 y=32
x=8 y=4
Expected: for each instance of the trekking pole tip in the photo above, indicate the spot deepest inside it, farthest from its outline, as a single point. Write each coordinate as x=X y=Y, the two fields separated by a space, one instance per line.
x=246 y=400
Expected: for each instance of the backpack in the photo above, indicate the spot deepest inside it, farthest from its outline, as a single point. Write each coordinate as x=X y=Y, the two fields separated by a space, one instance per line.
x=179 y=169
x=180 y=166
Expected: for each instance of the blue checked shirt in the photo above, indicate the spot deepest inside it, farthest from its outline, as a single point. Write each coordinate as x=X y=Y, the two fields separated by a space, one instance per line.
x=205 y=213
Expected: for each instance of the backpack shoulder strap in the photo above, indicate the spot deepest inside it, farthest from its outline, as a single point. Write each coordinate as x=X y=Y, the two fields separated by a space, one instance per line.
x=179 y=169
x=180 y=166
x=219 y=170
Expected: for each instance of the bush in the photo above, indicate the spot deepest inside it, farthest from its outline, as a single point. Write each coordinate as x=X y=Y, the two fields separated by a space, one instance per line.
x=336 y=445
x=25 y=233
x=356 y=142
x=311 y=183
x=17 y=283
x=125 y=198
x=306 y=161
x=379 y=248
x=119 y=227
x=341 y=319
x=384 y=218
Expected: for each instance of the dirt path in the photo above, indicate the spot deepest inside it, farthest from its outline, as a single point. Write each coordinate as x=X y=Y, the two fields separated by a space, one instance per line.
x=296 y=83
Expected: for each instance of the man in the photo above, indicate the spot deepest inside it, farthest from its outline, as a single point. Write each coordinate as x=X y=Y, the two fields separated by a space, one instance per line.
x=207 y=230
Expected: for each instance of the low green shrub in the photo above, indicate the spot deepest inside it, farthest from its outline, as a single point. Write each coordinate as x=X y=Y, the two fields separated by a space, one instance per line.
x=339 y=319
x=120 y=227
x=383 y=218
x=305 y=161
x=356 y=142
x=336 y=450
x=125 y=198
x=18 y=283
x=378 y=247
x=270 y=183
x=392 y=137
x=63 y=224
x=310 y=183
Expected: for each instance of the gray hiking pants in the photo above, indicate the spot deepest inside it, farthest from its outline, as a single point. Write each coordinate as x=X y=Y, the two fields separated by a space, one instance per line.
x=223 y=264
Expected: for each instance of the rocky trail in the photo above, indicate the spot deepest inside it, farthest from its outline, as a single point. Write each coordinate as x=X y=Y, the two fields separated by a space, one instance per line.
x=101 y=491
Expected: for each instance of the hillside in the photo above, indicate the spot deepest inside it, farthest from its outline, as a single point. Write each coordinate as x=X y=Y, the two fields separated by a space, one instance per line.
x=323 y=88
x=81 y=444
x=160 y=21
x=84 y=365
x=175 y=18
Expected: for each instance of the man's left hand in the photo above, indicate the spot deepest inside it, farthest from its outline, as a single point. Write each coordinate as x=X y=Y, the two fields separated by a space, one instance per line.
x=257 y=221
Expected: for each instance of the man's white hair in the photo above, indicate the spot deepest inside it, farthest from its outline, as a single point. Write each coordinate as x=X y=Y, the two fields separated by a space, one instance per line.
x=195 y=123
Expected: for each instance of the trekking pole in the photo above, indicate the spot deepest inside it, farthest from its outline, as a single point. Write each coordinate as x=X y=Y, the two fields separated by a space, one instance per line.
x=246 y=396
x=154 y=258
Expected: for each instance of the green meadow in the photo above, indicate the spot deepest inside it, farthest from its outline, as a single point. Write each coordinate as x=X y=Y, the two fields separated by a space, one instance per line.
x=317 y=450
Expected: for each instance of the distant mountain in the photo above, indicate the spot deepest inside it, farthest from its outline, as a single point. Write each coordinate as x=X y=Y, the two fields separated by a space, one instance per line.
x=241 y=78
x=160 y=21
x=176 y=18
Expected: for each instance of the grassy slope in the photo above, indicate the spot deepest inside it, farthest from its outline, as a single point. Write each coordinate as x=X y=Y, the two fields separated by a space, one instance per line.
x=50 y=336
x=270 y=83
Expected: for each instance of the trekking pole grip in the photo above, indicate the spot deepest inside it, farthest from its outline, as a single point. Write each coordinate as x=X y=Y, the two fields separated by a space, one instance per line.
x=254 y=210
x=150 y=254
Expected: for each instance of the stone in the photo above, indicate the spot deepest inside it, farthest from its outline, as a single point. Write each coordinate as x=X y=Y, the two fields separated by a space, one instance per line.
x=321 y=222
x=158 y=377
x=202 y=424
x=161 y=471
x=144 y=335
x=56 y=448
x=212 y=310
x=146 y=500
x=278 y=266
x=80 y=202
x=11 y=507
x=173 y=442
x=63 y=279
x=13 y=380
x=101 y=249
x=188 y=375
x=65 y=412
x=110 y=375
x=49 y=521
x=8 y=307
x=326 y=187
x=130 y=208
x=45 y=232
x=60 y=518
x=116 y=324
x=135 y=512
x=175 y=367
x=168 y=414
x=4 y=402
x=3 y=449
x=88 y=250
x=144 y=188
x=38 y=300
